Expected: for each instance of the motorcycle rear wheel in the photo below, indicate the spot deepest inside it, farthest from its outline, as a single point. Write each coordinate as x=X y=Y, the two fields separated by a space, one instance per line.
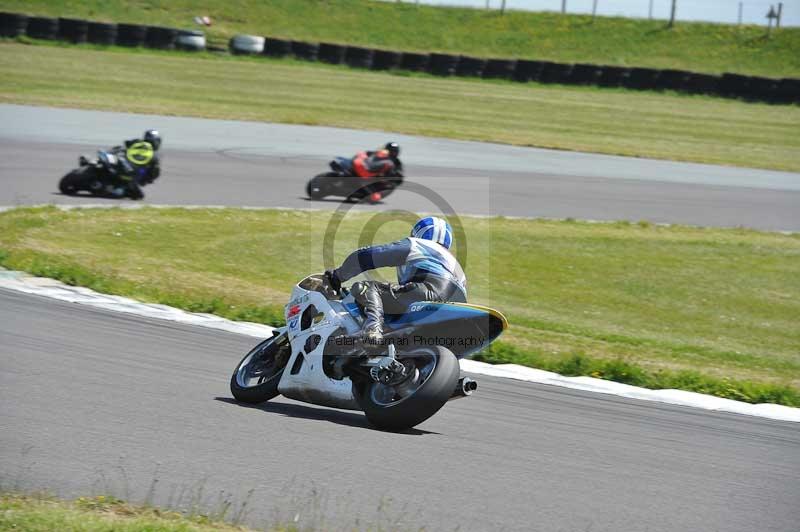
x=400 y=407
x=256 y=378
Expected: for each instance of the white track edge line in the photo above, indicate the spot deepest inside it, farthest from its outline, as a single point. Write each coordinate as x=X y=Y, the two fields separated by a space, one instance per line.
x=46 y=287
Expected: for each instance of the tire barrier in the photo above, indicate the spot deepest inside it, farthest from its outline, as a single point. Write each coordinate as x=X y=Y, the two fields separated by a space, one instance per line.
x=555 y=73
x=13 y=24
x=131 y=35
x=385 y=59
x=331 y=53
x=43 y=28
x=703 y=84
x=443 y=64
x=674 y=80
x=161 y=38
x=246 y=44
x=102 y=33
x=642 y=79
x=583 y=74
x=613 y=76
x=414 y=62
x=499 y=69
x=73 y=30
x=470 y=66
x=190 y=40
x=277 y=47
x=781 y=91
x=526 y=70
x=359 y=57
x=307 y=51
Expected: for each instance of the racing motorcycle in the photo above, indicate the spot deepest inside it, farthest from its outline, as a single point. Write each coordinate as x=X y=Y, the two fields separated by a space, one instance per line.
x=110 y=175
x=342 y=181
x=318 y=357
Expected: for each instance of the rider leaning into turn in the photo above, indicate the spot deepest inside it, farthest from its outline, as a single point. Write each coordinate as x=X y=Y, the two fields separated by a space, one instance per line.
x=379 y=163
x=141 y=164
x=426 y=271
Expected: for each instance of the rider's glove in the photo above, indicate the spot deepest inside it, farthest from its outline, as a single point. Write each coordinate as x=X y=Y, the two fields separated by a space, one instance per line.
x=333 y=280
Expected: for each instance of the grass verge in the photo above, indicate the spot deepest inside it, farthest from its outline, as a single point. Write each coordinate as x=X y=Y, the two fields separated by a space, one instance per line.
x=614 y=121
x=710 y=310
x=550 y=36
x=100 y=513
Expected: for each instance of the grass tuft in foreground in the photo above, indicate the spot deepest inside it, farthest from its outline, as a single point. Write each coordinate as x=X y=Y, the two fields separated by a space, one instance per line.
x=100 y=514
x=708 y=310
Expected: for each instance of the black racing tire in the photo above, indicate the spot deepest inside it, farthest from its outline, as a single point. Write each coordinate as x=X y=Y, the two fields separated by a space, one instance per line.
x=332 y=54
x=527 y=70
x=470 y=66
x=316 y=188
x=412 y=410
x=161 y=38
x=272 y=357
x=359 y=57
x=414 y=62
x=102 y=33
x=132 y=35
x=277 y=47
x=386 y=60
x=43 y=28
x=70 y=183
x=13 y=24
x=73 y=30
x=307 y=51
x=499 y=69
x=443 y=64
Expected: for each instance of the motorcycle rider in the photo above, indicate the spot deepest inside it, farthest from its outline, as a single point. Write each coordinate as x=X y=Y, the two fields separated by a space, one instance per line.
x=426 y=271
x=379 y=163
x=139 y=164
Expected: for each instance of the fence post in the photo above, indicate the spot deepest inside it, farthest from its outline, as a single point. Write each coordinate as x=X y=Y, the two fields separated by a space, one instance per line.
x=563 y=6
x=672 y=14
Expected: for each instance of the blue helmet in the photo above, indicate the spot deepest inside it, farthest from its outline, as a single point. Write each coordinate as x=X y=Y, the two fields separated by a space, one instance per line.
x=433 y=228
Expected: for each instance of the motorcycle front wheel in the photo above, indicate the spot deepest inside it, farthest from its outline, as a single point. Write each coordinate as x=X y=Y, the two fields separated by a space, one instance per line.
x=317 y=188
x=75 y=181
x=256 y=378
x=432 y=379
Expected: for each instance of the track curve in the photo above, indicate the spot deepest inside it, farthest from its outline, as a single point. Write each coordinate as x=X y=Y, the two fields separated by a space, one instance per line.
x=255 y=164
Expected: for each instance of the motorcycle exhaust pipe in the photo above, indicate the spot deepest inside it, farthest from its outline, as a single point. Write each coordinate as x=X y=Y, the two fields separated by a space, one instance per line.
x=464 y=388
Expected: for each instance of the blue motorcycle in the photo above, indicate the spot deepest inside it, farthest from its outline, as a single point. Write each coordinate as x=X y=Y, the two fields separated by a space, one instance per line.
x=317 y=357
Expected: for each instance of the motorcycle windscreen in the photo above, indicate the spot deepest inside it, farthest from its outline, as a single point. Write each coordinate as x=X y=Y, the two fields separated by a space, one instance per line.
x=462 y=328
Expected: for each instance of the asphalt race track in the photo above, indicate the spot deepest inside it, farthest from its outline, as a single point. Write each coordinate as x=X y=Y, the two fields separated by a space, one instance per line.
x=99 y=402
x=255 y=164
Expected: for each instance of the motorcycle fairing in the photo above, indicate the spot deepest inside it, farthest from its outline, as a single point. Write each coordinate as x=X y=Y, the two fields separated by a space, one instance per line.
x=342 y=164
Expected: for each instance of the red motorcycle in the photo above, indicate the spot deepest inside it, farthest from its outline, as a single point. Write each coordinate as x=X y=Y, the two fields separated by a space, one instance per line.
x=342 y=181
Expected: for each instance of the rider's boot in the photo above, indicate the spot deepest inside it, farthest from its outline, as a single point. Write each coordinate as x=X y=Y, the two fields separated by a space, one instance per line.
x=370 y=298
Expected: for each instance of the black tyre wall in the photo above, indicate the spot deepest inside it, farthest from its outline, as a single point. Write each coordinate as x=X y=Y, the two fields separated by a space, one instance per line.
x=763 y=89
x=385 y=59
x=358 y=57
x=443 y=64
x=555 y=73
x=331 y=53
x=788 y=90
x=583 y=74
x=73 y=30
x=674 y=80
x=414 y=61
x=13 y=24
x=526 y=70
x=277 y=47
x=161 y=38
x=43 y=28
x=307 y=51
x=131 y=35
x=642 y=79
x=613 y=76
x=102 y=33
x=470 y=66
x=499 y=68
x=703 y=84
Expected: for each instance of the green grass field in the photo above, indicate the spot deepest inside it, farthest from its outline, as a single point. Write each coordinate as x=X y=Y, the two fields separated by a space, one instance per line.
x=713 y=48
x=606 y=299
x=615 y=121
x=32 y=513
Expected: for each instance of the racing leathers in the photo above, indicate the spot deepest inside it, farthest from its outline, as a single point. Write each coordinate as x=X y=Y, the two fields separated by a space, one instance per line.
x=379 y=163
x=139 y=165
x=426 y=271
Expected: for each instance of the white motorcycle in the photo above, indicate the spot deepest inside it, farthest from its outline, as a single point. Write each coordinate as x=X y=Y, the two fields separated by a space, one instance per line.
x=317 y=357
